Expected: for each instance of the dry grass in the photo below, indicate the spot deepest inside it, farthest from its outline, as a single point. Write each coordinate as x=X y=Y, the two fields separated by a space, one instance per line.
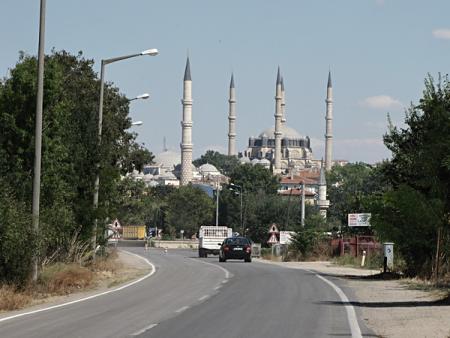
x=107 y=264
x=64 y=278
x=12 y=299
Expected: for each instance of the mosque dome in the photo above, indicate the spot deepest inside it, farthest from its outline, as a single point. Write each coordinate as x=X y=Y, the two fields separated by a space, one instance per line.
x=286 y=132
x=207 y=169
x=244 y=159
x=168 y=159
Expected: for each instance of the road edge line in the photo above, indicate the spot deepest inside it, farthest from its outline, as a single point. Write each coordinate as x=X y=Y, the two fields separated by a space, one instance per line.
x=91 y=296
x=228 y=274
x=351 y=314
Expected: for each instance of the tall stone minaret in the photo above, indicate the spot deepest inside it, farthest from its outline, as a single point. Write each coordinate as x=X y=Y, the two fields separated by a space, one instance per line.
x=283 y=103
x=232 y=120
x=186 y=128
x=329 y=124
x=323 y=203
x=278 y=97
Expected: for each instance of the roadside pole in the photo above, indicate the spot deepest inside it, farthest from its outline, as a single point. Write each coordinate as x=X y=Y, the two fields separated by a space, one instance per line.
x=38 y=138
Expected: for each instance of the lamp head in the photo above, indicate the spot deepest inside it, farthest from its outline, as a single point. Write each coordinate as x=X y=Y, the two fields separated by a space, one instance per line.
x=144 y=96
x=151 y=52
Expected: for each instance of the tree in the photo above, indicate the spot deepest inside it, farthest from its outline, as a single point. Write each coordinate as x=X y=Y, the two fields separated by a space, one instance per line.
x=187 y=209
x=419 y=174
x=254 y=178
x=70 y=147
x=224 y=163
x=349 y=188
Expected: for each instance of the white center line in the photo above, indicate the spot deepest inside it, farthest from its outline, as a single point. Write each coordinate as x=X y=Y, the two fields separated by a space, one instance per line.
x=181 y=309
x=217 y=287
x=144 y=330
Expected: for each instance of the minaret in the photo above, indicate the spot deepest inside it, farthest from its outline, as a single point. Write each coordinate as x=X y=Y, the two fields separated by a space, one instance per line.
x=323 y=203
x=278 y=97
x=329 y=123
x=186 y=128
x=283 y=103
x=232 y=120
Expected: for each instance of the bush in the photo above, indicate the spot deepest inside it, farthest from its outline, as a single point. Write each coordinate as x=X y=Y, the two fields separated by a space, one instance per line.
x=12 y=299
x=308 y=242
x=63 y=279
x=17 y=242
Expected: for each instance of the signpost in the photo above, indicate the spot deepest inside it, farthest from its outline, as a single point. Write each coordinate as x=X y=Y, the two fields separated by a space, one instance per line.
x=359 y=220
x=273 y=231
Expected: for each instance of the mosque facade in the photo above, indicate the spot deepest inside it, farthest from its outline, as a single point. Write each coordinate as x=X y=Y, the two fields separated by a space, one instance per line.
x=279 y=148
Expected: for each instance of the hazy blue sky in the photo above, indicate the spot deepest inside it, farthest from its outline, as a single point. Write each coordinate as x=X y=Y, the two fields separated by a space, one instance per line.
x=379 y=53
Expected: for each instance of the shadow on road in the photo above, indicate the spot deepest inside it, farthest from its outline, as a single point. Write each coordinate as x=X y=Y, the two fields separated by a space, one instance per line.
x=441 y=302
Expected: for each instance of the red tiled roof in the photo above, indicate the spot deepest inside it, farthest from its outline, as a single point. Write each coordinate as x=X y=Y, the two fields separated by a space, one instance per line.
x=299 y=180
x=295 y=192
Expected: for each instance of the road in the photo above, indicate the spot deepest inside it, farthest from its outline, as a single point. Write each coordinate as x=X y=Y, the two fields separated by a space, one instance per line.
x=192 y=297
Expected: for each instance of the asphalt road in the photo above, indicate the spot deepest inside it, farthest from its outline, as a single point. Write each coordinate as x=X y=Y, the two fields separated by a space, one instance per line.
x=192 y=297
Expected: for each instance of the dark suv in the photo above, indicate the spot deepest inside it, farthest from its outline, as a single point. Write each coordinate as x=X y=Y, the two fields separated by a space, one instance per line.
x=235 y=248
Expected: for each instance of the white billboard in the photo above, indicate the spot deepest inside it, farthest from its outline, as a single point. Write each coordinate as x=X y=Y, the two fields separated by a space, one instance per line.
x=359 y=220
x=286 y=237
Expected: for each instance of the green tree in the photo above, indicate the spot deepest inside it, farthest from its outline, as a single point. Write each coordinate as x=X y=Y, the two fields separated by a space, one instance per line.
x=419 y=174
x=69 y=145
x=224 y=163
x=350 y=187
x=187 y=209
x=254 y=178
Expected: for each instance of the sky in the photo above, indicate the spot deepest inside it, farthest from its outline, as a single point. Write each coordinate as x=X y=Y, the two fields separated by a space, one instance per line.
x=378 y=51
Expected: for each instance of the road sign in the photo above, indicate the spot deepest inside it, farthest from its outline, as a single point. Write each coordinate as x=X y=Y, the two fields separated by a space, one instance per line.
x=273 y=229
x=359 y=220
x=273 y=239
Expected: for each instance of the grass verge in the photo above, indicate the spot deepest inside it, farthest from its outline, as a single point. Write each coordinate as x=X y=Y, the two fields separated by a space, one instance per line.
x=60 y=279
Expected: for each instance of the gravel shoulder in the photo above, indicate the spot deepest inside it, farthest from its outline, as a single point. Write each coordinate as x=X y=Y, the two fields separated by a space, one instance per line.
x=391 y=308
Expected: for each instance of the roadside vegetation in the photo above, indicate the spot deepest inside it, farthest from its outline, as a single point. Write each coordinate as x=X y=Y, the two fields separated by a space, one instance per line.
x=70 y=152
x=58 y=279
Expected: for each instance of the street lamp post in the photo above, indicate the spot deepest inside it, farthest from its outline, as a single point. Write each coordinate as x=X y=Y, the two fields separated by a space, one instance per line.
x=232 y=185
x=151 y=52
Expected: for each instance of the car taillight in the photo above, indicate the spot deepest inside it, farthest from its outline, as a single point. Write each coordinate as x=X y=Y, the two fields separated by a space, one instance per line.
x=225 y=248
x=248 y=248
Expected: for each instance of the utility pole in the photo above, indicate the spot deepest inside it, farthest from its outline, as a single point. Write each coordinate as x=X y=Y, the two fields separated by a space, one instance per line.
x=38 y=136
x=217 y=201
x=303 y=204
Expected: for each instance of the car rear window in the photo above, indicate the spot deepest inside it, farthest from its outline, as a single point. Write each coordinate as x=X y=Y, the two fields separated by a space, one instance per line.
x=237 y=241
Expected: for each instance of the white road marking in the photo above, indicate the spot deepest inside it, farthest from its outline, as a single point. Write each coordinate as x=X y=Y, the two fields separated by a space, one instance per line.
x=227 y=273
x=217 y=287
x=89 y=297
x=181 y=309
x=225 y=281
x=145 y=329
x=203 y=297
x=351 y=314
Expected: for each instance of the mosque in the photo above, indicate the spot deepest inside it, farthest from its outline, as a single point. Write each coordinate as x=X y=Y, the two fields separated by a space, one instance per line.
x=281 y=148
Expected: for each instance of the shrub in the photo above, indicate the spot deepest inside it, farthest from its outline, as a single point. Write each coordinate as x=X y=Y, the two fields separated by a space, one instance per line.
x=12 y=299
x=17 y=242
x=62 y=279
